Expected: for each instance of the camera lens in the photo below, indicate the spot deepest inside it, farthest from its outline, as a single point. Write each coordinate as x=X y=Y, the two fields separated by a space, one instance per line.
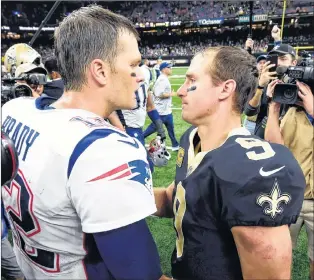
x=22 y=90
x=288 y=94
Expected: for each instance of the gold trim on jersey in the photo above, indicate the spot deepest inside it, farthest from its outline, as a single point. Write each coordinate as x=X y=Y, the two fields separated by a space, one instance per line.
x=180 y=157
x=195 y=155
x=178 y=217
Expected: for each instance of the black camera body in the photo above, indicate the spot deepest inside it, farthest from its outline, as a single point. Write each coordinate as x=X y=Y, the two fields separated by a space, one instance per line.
x=287 y=92
x=10 y=89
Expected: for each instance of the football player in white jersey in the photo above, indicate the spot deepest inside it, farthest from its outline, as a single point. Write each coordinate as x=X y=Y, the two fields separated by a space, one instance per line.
x=156 y=67
x=148 y=76
x=83 y=190
x=134 y=120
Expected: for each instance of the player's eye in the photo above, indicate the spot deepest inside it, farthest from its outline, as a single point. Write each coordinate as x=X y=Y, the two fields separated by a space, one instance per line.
x=135 y=64
x=191 y=80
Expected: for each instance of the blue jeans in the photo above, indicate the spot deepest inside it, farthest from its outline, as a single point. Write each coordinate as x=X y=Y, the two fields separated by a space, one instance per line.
x=138 y=134
x=168 y=122
x=249 y=125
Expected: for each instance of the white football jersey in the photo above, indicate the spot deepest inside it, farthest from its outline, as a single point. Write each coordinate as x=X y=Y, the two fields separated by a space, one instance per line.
x=136 y=118
x=77 y=174
x=147 y=75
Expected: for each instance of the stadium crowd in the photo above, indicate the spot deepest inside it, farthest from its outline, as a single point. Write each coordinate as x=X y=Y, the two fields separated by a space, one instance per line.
x=25 y=14
x=188 y=44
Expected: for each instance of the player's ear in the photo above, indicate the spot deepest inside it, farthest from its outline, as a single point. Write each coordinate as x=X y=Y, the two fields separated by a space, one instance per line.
x=228 y=88
x=99 y=71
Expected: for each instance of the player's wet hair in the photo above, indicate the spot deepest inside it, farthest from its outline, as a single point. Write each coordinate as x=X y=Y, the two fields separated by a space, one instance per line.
x=86 y=34
x=236 y=64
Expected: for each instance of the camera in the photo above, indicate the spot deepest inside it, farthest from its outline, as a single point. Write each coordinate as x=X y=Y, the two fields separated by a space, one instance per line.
x=10 y=89
x=287 y=92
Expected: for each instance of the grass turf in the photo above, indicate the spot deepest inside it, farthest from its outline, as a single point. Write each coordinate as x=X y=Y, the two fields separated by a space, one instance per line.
x=162 y=229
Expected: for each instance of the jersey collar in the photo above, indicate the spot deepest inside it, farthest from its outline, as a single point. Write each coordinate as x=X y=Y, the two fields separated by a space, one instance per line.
x=239 y=131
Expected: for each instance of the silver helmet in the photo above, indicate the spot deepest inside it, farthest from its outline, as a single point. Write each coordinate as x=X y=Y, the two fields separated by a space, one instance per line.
x=158 y=152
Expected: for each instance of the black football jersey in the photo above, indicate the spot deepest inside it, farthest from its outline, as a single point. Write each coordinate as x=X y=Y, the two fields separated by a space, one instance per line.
x=245 y=182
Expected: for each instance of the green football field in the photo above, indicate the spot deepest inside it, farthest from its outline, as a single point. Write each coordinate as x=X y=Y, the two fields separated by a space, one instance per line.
x=162 y=228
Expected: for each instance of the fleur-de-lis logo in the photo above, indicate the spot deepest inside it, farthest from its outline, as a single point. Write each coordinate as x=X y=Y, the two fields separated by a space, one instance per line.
x=274 y=199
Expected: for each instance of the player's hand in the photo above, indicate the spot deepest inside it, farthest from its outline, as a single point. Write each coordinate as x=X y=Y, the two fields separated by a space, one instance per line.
x=159 y=141
x=267 y=76
x=306 y=95
x=162 y=137
x=275 y=33
x=249 y=43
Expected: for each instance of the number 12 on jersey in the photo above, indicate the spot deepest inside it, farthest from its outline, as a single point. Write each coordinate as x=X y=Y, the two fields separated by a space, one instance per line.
x=26 y=225
x=179 y=212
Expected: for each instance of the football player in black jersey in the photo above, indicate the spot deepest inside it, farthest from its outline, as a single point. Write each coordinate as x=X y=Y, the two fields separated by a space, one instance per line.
x=234 y=195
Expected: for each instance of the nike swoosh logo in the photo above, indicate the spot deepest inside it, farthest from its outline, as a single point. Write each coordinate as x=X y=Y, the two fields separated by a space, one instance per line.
x=271 y=172
x=135 y=145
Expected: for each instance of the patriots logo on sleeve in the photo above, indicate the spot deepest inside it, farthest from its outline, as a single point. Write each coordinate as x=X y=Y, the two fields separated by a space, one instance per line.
x=136 y=170
x=90 y=122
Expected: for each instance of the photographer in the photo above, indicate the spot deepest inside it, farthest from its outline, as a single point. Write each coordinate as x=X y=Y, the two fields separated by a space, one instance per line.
x=35 y=82
x=258 y=105
x=295 y=130
x=250 y=122
x=26 y=73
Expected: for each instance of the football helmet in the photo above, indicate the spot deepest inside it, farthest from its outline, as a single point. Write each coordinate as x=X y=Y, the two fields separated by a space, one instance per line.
x=19 y=54
x=158 y=152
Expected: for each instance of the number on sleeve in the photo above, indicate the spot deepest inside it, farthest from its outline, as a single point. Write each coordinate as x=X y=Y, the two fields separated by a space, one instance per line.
x=138 y=101
x=249 y=143
x=141 y=95
x=144 y=95
x=178 y=217
x=25 y=223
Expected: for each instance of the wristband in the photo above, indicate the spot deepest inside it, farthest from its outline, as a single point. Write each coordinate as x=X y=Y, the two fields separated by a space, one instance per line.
x=259 y=87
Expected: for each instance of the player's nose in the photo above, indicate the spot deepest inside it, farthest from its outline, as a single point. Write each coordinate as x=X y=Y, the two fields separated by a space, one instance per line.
x=182 y=91
x=139 y=75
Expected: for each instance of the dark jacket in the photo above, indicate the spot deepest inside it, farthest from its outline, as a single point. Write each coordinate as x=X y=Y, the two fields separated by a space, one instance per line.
x=54 y=88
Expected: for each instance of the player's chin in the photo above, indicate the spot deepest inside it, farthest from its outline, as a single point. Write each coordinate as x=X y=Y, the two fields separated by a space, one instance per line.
x=130 y=104
x=185 y=116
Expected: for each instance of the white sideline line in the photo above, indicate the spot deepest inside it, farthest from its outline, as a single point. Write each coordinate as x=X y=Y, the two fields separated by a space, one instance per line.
x=176 y=108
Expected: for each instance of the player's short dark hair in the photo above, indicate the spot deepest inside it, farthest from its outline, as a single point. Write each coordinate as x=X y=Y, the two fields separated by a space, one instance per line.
x=86 y=34
x=51 y=64
x=236 y=64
